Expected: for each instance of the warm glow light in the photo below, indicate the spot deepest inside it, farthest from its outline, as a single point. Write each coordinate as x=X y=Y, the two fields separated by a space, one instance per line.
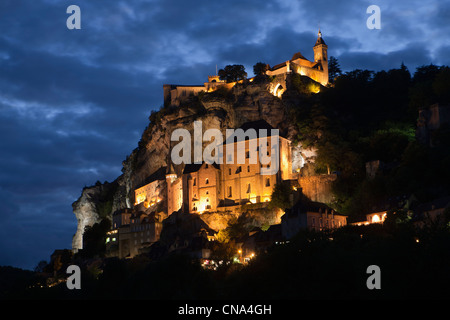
x=314 y=88
x=375 y=218
x=140 y=198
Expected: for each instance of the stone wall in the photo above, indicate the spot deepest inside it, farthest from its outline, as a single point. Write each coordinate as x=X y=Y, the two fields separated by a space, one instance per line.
x=318 y=188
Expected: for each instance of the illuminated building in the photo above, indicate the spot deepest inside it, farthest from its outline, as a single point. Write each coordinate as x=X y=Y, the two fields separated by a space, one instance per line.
x=316 y=70
x=244 y=182
x=312 y=216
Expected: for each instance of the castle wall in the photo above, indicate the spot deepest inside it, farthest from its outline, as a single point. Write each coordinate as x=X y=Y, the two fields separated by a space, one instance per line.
x=174 y=195
x=318 y=188
x=149 y=194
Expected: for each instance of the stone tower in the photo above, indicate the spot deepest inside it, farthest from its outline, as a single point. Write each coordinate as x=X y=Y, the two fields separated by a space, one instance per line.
x=321 y=55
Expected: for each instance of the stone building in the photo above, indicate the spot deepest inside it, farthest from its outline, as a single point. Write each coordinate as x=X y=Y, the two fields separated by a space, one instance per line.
x=245 y=180
x=175 y=94
x=312 y=216
x=149 y=193
x=236 y=181
x=134 y=230
x=174 y=191
x=317 y=70
x=201 y=182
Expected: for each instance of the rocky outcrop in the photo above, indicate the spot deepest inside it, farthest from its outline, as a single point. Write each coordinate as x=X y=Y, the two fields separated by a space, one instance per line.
x=86 y=213
x=95 y=204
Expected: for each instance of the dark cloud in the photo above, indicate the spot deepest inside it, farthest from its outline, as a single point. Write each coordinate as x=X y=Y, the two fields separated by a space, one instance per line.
x=413 y=56
x=73 y=103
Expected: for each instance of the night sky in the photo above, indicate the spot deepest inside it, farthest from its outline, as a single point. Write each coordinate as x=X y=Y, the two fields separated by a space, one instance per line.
x=74 y=103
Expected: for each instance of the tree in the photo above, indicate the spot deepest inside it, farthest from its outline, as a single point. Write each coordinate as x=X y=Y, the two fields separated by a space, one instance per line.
x=280 y=196
x=233 y=73
x=260 y=68
x=94 y=239
x=41 y=266
x=441 y=85
x=334 y=70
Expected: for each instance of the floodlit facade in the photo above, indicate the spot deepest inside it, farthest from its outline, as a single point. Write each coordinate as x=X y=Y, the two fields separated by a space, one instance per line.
x=317 y=70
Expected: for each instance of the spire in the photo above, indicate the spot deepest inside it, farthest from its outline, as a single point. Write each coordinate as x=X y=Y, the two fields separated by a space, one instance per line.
x=319 y=39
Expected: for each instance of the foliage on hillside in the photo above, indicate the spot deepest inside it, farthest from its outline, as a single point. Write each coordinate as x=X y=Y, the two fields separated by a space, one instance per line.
x=369 y=116
x=313 y=265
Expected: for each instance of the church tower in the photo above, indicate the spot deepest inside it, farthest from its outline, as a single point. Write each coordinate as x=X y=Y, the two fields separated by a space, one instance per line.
x=321 y=56
x=174 y=190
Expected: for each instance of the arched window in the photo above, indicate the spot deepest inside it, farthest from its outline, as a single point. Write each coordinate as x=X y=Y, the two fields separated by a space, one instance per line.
x=207 y=181
x=278 y=90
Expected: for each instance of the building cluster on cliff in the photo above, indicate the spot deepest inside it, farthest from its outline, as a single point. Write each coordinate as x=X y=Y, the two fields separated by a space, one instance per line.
x=203 y=188
x=216 y=193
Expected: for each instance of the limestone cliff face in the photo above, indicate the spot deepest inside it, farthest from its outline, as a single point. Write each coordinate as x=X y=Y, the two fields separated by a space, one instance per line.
x=220 y=110
x=86 y=213
x=95 y=204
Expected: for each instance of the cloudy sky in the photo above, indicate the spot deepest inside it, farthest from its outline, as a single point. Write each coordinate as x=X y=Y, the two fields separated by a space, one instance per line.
x=73 y=103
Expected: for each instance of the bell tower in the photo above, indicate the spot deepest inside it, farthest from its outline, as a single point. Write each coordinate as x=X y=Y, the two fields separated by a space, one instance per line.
x=321 y=55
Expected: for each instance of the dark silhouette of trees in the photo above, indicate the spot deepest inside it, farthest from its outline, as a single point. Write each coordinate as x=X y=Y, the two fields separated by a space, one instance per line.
x=260 y=68
x=334 y=69
x=233 y=73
